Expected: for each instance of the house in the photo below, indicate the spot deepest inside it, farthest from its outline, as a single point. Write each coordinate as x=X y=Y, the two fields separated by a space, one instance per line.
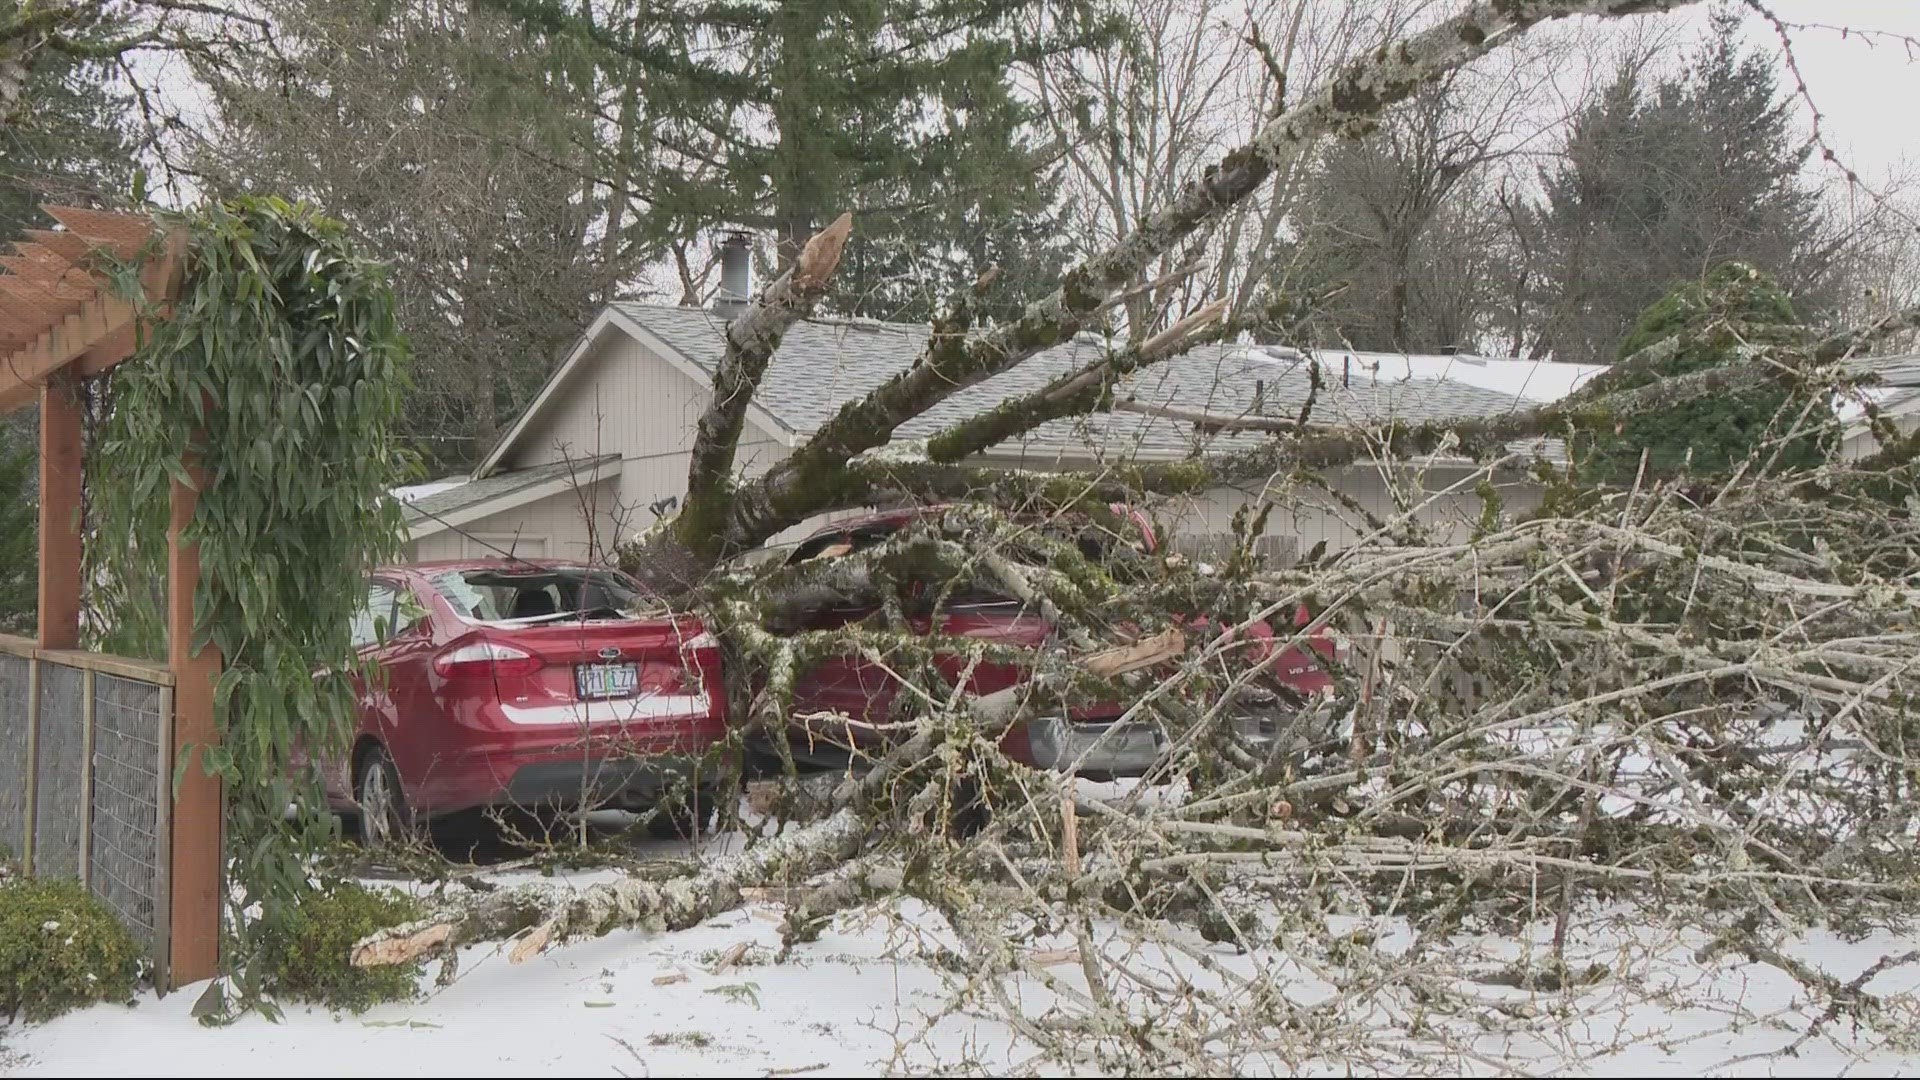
x=603 y=448
x=1895 y=391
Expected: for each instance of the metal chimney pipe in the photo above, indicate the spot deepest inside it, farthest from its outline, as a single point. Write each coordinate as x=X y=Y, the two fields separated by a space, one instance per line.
x=736 y=275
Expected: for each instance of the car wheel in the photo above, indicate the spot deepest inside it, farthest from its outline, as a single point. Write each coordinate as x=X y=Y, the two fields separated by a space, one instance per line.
x=385 y=818
x=682 y=818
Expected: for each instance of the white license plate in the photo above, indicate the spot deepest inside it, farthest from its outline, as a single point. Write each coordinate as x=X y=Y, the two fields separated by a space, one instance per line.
x=607 y=680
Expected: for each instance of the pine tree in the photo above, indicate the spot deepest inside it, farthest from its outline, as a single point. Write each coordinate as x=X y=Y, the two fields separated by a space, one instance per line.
x=777 y=118
x=1660 y=184
x=1732 y=309
x=73 y=146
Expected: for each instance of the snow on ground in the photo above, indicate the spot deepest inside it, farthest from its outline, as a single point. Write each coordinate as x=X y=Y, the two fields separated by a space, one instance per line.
x=868 y=998
x=632 y=1004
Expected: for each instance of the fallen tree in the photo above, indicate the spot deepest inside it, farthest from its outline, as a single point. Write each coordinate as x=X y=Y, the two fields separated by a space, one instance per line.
x=1682 y=697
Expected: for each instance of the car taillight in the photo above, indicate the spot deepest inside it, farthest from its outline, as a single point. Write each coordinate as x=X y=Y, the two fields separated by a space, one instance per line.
x=485 y=659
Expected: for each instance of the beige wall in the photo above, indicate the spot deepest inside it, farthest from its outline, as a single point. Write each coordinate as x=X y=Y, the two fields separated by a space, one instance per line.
x=1861 y=443
x=623 y=399
x=554 y=527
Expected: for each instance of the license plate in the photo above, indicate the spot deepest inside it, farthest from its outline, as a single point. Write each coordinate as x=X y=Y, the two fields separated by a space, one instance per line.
x=607 y=680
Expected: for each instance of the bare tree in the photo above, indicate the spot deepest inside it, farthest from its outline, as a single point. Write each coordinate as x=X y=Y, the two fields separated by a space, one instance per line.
x=114 y=30
x=1682 y=698
x=1201 y=76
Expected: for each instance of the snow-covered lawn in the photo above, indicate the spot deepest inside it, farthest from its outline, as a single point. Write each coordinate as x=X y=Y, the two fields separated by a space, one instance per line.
x=870 y=997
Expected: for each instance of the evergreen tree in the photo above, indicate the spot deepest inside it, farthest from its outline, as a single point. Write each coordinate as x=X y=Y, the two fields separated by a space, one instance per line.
x=778 y=117
x=1659 y=185
x=1718 y=318
x=73 y=146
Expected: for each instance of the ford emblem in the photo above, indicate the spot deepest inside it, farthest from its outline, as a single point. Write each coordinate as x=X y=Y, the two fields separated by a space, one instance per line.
x=609 y=653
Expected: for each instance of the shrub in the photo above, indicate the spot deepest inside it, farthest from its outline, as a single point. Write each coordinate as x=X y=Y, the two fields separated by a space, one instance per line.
x=60 y=949
x=307 y=958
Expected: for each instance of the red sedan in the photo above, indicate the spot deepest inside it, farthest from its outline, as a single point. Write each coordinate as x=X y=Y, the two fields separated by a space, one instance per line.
x=847 y=700
x=506 y=683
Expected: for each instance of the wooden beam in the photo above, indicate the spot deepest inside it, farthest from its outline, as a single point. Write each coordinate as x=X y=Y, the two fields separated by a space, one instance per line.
x=122 y=234
x=53 y=277
x=64 y=244
x=194 y=874
x=49 y=320
x=44 y=255
x=34 y=301
x=22 y=372
x=61 y=480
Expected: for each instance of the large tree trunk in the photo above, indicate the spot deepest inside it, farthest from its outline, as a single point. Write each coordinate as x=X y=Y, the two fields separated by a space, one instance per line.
x=692 y=541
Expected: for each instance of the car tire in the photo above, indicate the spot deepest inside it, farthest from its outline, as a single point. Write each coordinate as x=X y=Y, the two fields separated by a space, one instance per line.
x=385 y=818
x=681 y=819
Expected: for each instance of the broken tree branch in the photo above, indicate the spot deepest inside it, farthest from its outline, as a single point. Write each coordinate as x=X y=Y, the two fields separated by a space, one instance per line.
x=808 y=480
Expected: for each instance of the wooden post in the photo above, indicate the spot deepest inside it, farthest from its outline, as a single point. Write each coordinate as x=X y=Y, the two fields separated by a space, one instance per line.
x=194 y=873
x=33 y=764
x=89 y=704
x=60 y=483
x=163 y=850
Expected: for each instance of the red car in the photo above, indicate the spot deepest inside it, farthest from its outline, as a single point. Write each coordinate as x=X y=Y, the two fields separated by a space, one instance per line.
x=507 y=683
x=1084 y=739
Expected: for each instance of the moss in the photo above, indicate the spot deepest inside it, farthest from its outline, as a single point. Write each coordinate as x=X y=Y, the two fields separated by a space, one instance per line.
x=60 y=949
x=307 y=958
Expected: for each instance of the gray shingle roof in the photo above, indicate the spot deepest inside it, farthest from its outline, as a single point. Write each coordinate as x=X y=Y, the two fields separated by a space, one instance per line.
x=473 y=492
x=1892 y=370
x=823 y=363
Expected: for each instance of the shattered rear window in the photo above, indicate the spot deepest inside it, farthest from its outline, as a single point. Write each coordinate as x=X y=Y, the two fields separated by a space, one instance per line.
x=531 y=594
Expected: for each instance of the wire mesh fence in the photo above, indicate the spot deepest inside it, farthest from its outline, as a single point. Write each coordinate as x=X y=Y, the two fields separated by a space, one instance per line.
x=84 y=777
x=128 y=782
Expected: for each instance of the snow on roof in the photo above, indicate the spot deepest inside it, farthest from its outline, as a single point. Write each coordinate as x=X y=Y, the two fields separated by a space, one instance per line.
x=416 y=492
x=1536 y=381
x=1851 y=407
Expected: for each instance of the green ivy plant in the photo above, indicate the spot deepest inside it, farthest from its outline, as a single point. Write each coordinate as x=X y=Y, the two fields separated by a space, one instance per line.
x=282 y=366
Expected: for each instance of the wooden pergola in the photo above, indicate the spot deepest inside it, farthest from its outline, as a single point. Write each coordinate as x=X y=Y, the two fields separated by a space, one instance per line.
x=61 y=322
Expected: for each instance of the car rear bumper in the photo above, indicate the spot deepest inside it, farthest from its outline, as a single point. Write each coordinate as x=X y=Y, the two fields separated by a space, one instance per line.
x=1113 y=748
x=1096 y=746
x=556 y=765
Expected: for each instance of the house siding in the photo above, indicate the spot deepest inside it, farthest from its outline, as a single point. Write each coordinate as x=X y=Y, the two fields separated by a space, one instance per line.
x=623 y=398
x=1861 y=443
x=554 y=527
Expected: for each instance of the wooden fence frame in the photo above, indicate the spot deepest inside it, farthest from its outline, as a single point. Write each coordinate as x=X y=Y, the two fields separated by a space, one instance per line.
x=157 y=675
x=61 y=322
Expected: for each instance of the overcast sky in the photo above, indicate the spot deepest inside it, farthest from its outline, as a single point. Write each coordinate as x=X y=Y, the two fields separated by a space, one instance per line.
x=1868 y=90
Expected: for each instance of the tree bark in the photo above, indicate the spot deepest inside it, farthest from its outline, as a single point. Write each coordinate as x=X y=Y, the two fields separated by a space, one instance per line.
x=751 y=341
